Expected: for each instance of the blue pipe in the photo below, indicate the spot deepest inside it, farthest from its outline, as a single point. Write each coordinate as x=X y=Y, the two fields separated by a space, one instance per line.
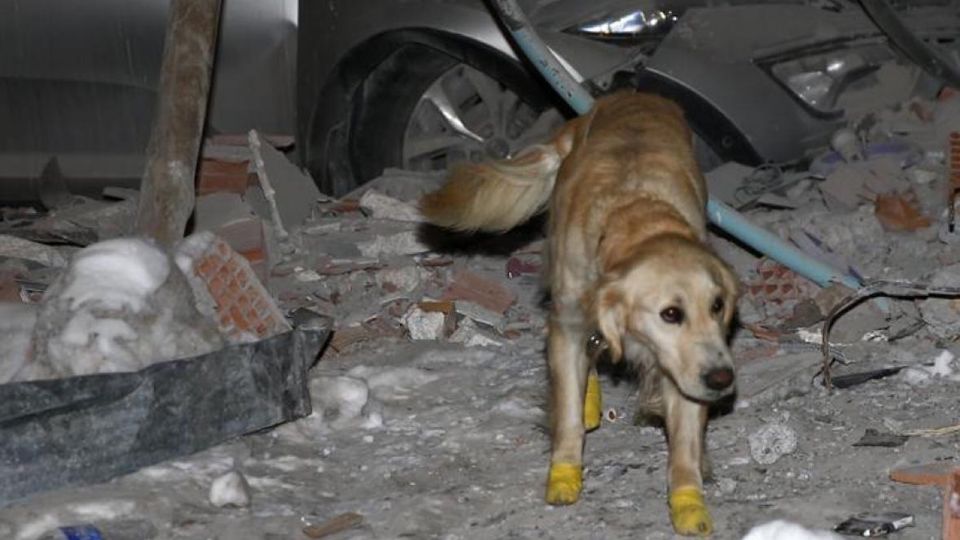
x=773 y=246
x=720 y=214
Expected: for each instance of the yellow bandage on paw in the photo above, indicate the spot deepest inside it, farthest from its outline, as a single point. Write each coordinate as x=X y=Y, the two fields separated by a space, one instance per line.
x=564 y=483
x=592 y=404
x=689 y=513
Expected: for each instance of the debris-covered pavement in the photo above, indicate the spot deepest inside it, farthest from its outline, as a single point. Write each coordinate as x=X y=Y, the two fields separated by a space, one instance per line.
x=429 y=400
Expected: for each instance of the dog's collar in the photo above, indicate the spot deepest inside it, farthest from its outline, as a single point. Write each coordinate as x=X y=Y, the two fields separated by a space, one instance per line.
x=596 y=346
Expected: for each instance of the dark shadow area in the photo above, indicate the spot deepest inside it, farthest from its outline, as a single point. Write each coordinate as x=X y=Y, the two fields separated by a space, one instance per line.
x=482 y=243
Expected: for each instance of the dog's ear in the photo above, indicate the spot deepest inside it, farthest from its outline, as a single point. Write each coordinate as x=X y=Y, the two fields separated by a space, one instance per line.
x=731 y=288
x=610 y=311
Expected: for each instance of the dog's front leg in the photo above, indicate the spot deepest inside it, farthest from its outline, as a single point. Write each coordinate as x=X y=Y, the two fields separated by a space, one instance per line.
x=568 y=378
x=685 y=422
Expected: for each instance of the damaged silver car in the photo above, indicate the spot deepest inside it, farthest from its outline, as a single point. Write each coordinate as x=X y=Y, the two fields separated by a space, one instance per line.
x=426 y=83
x=421 y=84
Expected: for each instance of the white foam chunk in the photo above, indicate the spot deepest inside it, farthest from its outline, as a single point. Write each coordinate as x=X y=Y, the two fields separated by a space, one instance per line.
x=116 y=274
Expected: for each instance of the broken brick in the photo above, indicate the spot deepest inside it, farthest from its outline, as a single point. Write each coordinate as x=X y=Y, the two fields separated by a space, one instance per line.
x=475 y=288
x=899 y=213
x=9 y=288
x=219 y=176
x=243 y=305
x=517 y=267
x=445 y=307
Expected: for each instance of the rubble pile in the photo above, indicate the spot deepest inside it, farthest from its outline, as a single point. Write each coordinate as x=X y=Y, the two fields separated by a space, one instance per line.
x=428 y=401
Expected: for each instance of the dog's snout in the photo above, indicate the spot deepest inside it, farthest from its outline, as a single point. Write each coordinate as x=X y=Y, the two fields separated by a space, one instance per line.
x=718 y=378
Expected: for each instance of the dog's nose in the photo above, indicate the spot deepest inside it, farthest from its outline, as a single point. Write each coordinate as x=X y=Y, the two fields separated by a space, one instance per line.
x=718 y=378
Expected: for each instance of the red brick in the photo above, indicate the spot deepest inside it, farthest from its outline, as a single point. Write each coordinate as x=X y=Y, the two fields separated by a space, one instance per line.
x=217 y=176
x=475 y=288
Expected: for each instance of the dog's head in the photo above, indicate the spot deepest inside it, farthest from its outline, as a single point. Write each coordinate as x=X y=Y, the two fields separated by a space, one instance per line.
x=677 y=298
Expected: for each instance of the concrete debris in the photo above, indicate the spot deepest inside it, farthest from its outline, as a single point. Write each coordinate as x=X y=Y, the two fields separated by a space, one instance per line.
x=404 y=243
x=18 y=248
x=405 y=279
x=470 y=335
x=776 y=379
x=230 y=490
x=942 y=368
x=16 y=330
x=846 y=143
x=422 y=324
x=291 y=191
x=726 y=180
x=943 y=314
x=380 y=206
x=480 y=314
x=402 y=184
x=852 y=184
x=99 y=220
x=771 y=442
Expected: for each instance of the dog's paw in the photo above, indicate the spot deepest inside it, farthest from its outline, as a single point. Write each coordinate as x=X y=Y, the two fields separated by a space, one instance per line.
x=564 y=483
x=689 y=513
x=592 y=404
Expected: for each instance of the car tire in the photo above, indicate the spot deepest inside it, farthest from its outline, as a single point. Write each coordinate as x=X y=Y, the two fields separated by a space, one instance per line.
x=385 y=102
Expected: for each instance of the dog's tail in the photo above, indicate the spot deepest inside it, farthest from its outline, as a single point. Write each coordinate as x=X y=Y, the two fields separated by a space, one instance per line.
x=496 y=196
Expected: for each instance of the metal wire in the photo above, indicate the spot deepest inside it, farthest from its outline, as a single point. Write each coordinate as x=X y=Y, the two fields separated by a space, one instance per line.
x=891 y=288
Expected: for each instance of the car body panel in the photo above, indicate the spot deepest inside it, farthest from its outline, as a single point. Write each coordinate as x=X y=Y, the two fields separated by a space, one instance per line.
x=709 y=48
x=78 y=82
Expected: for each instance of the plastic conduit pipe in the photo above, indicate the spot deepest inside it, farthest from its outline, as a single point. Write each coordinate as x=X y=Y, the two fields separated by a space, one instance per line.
x=720 y=214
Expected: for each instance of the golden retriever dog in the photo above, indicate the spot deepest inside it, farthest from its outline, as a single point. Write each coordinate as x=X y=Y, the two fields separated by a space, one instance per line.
x=627 y=261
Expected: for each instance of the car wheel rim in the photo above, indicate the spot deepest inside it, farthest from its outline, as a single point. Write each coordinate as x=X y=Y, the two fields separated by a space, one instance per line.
x=467 y=115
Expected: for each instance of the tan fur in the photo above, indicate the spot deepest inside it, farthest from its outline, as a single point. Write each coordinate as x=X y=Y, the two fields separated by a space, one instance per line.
x=626 y=241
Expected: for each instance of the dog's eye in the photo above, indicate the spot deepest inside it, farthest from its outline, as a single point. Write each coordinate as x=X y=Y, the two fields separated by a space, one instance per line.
x=672 y=315
x=717 y=306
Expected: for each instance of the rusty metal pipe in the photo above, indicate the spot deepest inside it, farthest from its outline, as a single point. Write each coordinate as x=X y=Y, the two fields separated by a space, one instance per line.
x=167 y=188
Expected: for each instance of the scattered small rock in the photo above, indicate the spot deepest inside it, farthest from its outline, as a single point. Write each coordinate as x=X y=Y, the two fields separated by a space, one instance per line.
x=424 y=325
x=771 y=442
x=230 y=489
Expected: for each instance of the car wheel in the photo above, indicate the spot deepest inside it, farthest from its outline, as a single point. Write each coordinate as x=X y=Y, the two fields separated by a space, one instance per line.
x=468 y=115
x=425 y=110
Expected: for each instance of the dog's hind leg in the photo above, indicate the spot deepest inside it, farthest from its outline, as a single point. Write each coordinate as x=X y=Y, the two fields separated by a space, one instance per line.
x=568 y=380
x=592 y=401
x=685 y=421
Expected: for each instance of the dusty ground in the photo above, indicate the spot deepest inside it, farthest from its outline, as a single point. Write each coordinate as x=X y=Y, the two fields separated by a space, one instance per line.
x=462 y=450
